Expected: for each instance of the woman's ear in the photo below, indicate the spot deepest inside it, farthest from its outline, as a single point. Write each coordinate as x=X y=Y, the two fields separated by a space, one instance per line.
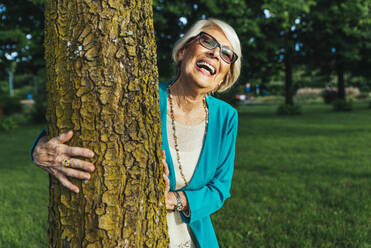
x=180 y=54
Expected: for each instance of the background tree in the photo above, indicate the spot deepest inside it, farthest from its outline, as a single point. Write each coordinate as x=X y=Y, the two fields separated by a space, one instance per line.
x=284 y=20
x=337 y=38
x=102 y=83
x=21 y=39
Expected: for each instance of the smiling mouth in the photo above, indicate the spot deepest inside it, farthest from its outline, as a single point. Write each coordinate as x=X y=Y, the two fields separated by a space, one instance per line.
x=204 y=65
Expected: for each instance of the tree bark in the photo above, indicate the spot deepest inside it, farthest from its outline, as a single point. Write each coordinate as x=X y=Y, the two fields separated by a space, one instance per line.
x=102 y=82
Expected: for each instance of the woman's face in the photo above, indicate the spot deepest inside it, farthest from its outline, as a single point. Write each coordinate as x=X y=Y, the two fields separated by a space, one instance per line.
x=204 y=68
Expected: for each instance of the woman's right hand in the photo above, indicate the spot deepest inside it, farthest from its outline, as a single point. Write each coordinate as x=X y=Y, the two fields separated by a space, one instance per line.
x=166 y=172
x=49 y=155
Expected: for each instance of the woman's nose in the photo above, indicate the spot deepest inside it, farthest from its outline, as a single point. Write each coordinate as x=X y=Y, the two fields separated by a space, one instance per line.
x=214 y=52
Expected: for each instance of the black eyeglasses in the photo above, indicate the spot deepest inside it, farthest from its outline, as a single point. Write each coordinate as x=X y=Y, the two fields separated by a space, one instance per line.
x=209 y=42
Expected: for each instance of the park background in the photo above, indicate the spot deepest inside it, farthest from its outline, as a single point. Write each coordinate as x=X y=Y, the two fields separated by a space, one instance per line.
x=302 y=173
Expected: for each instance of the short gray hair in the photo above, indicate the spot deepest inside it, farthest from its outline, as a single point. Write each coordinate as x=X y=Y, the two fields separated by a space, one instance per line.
x=231 y=35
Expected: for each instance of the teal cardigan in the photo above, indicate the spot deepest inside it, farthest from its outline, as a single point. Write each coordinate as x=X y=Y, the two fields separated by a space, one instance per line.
x=211 y=181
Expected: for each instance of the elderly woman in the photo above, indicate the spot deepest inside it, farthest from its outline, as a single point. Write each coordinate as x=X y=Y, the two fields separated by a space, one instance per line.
x=198 y=134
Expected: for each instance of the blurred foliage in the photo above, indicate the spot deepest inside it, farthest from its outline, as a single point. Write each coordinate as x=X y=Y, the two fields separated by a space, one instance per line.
x=337 y=34
x=21 y=35
x=13 y=121
x=336 y=38
x=280 y=38
x=305 y=43
x=39 y=97
x=10 y=104
x=8 y=123
x=283 y=18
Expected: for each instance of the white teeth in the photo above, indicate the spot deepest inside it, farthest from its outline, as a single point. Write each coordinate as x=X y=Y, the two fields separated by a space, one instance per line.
x=212 y=69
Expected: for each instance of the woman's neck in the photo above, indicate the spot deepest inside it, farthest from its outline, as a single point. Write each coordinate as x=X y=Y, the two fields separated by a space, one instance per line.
x=186 y=97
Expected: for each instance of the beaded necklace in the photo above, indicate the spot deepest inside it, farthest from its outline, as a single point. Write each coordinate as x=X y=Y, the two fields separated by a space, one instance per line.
x=174 y=131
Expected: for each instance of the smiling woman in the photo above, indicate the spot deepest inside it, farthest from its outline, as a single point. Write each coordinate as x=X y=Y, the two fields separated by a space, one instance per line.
x=228 y=38
x=198 y=134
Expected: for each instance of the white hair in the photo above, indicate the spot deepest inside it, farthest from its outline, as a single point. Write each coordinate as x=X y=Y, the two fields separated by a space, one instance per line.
x=231 y=35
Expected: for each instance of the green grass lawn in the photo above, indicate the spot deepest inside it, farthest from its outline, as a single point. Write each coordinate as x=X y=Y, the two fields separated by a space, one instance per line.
x=23 y=192
x=299 y=181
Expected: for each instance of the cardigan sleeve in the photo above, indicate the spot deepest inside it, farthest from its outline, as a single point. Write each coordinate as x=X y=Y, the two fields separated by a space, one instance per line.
x=209 y=198
x=41 y=134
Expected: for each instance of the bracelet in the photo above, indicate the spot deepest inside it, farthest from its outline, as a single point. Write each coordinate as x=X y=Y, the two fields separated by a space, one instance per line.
x=179 y=206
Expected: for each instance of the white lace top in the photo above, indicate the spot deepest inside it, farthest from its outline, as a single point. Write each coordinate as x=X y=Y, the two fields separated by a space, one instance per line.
x=190 y=141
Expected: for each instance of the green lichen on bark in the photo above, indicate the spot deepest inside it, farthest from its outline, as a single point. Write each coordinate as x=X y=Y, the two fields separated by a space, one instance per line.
x=102 y=83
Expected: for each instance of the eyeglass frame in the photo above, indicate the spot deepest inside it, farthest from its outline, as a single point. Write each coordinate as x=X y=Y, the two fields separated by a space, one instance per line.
x=235 y=56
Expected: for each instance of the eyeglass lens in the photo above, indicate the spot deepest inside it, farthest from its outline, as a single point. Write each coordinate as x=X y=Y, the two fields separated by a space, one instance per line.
x=210 y=42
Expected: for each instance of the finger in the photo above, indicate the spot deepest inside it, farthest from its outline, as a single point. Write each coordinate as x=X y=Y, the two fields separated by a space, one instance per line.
x=81 y=164
x=74 y=173
x=63 y=137
x=166 y=179
x=167 y=183
x=163 y=154
x=78 y=151
x=166 y=168
x=65 y=182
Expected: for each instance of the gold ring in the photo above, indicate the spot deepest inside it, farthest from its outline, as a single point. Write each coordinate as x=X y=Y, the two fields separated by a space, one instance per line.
x=66 y=163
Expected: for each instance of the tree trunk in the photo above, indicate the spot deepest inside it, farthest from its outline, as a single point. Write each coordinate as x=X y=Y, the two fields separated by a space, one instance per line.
x=11 y=87
x=341 y=83
x=102 y=82
x=289 y=92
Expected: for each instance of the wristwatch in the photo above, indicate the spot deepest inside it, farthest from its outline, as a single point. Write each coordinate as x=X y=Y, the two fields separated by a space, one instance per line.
x=179 y=206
